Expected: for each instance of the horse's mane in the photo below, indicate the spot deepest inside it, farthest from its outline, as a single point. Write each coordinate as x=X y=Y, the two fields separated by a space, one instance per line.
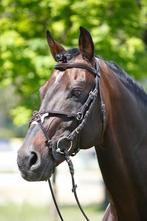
x=131 y=84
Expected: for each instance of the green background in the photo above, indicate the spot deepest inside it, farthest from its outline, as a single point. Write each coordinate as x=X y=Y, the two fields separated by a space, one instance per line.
x=118 y=28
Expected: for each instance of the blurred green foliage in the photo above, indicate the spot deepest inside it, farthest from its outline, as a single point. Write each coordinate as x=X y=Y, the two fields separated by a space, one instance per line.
x=118 y=29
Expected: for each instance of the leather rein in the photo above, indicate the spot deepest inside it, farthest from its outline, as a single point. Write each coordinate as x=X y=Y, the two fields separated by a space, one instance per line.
x=64 y=144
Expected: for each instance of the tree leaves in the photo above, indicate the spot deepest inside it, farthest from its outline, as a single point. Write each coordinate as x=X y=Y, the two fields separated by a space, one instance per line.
x=117 y=28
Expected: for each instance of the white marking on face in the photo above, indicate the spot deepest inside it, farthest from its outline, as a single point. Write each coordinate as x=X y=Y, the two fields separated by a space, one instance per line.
x=59 y=75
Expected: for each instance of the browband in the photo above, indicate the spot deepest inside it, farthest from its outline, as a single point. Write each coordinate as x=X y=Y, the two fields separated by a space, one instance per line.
x=64 y=66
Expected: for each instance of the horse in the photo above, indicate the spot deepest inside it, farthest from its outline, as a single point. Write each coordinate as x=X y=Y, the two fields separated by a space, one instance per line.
x=89 y=101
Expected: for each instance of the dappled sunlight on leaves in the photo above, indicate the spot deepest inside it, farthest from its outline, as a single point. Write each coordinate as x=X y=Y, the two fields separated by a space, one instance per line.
x=20 y=115
x=117 y=28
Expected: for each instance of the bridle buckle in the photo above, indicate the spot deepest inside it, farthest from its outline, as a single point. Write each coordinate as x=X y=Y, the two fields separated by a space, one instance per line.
x=93 y=93
x=79 y=116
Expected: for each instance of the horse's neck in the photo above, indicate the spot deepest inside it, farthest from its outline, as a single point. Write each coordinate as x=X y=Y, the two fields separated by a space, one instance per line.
x=123 y=155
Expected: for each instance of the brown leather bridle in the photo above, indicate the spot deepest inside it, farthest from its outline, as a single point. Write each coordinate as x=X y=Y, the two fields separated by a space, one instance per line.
x=64 y=144
x=81 y=116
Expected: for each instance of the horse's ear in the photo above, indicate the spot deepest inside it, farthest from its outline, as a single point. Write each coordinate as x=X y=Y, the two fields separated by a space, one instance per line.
x=86 y=44
x=54 y=46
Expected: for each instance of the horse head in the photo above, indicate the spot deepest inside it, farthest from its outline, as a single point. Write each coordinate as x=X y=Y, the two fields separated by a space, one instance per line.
x=65 y=121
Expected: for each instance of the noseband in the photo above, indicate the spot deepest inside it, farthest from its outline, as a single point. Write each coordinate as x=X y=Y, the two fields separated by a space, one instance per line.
x=64 y=144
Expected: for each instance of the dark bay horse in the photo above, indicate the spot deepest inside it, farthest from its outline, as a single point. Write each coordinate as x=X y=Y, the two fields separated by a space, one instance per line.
x=91 y=102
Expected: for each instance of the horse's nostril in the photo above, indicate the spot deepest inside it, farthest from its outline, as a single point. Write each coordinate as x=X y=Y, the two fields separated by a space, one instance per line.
x=34 y=160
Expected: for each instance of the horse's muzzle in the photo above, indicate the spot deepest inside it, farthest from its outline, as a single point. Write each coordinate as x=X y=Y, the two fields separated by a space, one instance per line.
x=33 y=167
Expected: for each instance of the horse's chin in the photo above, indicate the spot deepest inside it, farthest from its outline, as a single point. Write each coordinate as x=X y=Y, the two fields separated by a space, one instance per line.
x=41 y=173
x=39 y=176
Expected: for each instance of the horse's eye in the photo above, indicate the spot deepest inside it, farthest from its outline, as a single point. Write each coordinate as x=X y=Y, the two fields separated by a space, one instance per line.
x=76 y=92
